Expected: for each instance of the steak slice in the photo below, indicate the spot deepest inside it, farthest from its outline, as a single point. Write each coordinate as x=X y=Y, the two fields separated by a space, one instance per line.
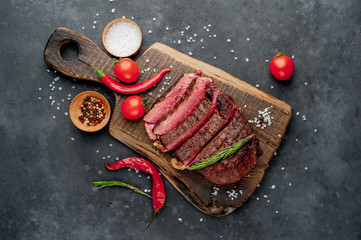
x=233 y=168
x=185 y=108
x=173 y=139
x=168 y=102
x=222 y=115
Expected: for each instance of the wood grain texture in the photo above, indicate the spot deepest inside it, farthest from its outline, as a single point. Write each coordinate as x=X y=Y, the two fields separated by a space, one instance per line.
x=193 y=187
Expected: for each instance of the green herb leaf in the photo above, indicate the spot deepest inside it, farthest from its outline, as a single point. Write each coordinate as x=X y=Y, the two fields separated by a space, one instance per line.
x=103 y=184
x=222 y=154
x=145 y=104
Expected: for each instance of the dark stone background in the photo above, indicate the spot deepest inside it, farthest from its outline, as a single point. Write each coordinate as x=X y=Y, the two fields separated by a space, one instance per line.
x=47 y=165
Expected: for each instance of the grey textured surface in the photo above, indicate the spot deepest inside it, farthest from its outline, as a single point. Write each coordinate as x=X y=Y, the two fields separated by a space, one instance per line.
x=47 y=165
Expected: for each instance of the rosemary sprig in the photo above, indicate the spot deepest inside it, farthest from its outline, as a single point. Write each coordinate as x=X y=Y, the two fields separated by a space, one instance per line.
x=222 y=154
x=103 y=184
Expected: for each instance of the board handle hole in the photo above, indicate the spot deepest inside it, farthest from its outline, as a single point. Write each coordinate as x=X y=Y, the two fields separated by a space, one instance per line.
x=69 y=50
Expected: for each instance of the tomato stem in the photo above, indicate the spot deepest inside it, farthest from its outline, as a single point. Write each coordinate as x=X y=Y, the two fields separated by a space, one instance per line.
x=117 y=60
x=278 y=53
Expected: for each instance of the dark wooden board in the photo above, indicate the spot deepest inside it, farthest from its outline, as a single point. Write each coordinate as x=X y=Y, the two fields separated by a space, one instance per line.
x=196 y=190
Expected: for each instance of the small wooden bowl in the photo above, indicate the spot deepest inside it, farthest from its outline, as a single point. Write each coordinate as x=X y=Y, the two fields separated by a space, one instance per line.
x=119 y=20
x=74 y=111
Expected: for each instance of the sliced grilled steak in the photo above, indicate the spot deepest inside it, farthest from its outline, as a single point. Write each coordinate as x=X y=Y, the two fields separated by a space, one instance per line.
x=185 y=108
x=168 y=102
x=233 y=168
x=173 y=139
x=221 y=116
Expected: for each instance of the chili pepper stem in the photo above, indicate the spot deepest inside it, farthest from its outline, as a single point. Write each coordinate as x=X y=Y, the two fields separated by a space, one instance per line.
x=99 y=72
x=155 y=212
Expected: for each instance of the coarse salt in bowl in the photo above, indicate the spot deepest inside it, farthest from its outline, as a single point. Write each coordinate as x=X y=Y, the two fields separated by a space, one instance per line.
x=122 y=37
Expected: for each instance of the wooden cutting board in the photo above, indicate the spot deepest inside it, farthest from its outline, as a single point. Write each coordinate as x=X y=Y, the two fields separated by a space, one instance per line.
x=211 y=199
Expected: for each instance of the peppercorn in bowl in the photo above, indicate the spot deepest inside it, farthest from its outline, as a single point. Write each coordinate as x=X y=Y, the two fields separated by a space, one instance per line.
x=90 y=111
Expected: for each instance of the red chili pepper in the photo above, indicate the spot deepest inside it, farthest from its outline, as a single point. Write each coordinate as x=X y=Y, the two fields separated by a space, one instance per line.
x=158 y=192
x=130 y=89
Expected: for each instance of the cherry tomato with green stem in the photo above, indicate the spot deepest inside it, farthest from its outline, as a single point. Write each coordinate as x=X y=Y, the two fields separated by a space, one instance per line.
x=133 y=107
x=282 y=67
x=126 y=70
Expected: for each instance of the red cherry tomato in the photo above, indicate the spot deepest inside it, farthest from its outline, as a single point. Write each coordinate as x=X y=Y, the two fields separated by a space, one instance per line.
x=132 y=107
x=126 y=70
x=282 y=67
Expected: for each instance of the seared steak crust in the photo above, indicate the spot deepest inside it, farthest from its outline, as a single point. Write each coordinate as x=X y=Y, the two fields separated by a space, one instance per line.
x=233 y=168
x=221 y=116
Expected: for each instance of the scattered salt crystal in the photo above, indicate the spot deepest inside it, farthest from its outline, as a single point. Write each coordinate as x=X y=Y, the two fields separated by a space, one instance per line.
x=282 y=168
x=60 y=88
x=171 y=66
x=214 y=57
x=273 y=186
x=48 y=70
x=305 y=83
x=111 y=0
x=293 y=56
x=39 y=98
x=190 y=53
x=95 y=22
x=228 y=40
x=214 y=35
x=315 y=130
x=179 y=41
x=201 y=40
x=110 y=145
x=247 y=60
x=306 y=168
x=276 y=211
x=289 y=184
x=93 y=27
x=201 y=219
x=232 y=51
x=50 y=97
x=39 y=89
x=279 y=135
x=154 y=19
x=147 y=60
x=150 y=31
x=257 y=198
x=123 y=38
x=265 y=196
x=296 y=139
x=113 y=10
x=131 y=17
x=235 y=58
x=267 y=60
x=297 y=113
x=257 y=85
x=72 y=138
x=272 y=87
x=82 y=27
x=180 y=219
x=248 y=39
x=245 y=106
